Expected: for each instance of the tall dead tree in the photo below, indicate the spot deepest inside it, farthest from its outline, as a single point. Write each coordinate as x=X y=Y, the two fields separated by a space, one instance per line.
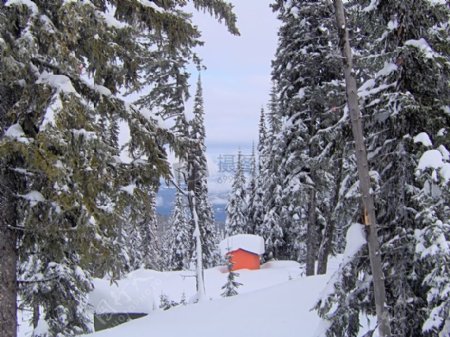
x=363 y=172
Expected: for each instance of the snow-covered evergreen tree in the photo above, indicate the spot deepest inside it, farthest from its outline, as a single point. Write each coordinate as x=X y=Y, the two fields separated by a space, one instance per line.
x=432 y=239
x=236 y=221
x=180 y=242
x=63 y=63
x=256 y=208
x=198 y=181
x=230 y=288
x=251 y=195
x=309 y=92
x=405 y=97
x=149 y=245
x=270 y=228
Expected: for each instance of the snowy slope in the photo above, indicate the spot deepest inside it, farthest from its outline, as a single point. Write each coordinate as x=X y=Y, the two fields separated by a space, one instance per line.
x=141 y=290
x=275 y=301
x=282 y=310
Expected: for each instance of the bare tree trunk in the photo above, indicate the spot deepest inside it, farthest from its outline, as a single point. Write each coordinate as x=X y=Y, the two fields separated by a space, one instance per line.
x=363 y=173
x=311 y=235
x=8 y=258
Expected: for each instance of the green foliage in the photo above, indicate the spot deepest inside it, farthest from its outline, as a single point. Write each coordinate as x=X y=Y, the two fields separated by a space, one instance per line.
x=230 y=288
x=63 y=67
x=404 y=92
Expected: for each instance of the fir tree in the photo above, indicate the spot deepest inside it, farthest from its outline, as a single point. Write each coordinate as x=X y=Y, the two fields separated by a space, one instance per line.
x=149 y=245
x=236 y=221
x=180 y=245
x=256 y=206
x=270 y=228
x=310 y=98
x=197 y=181
x=62 y=65
x=403 y=95
x=230 y=288
x=251 y=195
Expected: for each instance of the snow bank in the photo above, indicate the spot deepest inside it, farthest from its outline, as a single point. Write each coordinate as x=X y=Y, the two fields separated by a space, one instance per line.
x=248 y=242
x=282 y=310
x=141 y=290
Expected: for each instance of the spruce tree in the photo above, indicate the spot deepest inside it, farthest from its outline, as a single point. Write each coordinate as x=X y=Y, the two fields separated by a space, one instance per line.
x=180 y=243
x=230 y=288
x=251 y=195
x=270 y=228
x=310 y=98
x=198 y=180
x=63 y=65
x=404 y=94
x=256 y=207
x=149 y=245
x=236 y=221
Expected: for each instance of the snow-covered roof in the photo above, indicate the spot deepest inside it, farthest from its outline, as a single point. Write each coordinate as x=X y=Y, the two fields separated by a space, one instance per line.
x=249 y=242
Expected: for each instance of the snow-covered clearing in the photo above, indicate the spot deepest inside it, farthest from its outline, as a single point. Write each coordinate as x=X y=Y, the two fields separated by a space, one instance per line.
x=281 y=310
x=273 y=301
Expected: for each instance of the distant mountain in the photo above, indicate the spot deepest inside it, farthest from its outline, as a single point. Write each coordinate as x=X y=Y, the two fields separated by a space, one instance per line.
x=222 y=159
x=166 y=197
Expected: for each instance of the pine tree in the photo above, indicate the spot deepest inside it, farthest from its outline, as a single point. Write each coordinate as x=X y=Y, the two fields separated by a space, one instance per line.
x=230 y=288
x=256 y=206
x=149 y=245
x=432 y=258
x=270 y=228
x=251 y=195
x=63 y=64
x=180 y=245
x=309 y=94
x=404 y=94
x=236 y=221
x=198 y=181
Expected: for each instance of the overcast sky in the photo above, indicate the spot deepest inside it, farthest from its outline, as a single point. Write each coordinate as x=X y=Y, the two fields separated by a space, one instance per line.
x=237 y=82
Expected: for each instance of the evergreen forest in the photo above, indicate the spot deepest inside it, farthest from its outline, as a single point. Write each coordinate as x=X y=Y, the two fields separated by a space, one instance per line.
x=355 y=133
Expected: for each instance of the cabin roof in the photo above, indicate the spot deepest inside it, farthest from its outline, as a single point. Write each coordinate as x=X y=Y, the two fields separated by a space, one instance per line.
x=248 y=242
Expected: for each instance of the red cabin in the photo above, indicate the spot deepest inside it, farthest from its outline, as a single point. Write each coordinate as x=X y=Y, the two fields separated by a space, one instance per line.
x=245 y=250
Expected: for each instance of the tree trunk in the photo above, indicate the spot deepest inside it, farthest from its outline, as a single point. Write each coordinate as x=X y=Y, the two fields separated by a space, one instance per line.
x=192 y=185
x=326 y=245
x=8 y=257
x=311 y=236
x=363 y=173
x=201 y=294
x=325 y=248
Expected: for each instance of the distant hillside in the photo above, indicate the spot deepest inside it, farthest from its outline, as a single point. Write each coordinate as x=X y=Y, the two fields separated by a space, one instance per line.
x=166 y=197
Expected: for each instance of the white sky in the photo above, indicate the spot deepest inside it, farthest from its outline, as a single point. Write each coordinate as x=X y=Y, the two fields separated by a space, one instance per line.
x=237 y=81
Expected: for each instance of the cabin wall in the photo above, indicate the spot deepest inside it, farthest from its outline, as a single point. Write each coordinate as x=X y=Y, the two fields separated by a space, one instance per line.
x=242 y=259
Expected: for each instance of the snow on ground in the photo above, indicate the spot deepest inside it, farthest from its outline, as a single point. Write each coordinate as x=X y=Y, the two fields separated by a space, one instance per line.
x=141 y=290
x=273 y=301
x=281 y=310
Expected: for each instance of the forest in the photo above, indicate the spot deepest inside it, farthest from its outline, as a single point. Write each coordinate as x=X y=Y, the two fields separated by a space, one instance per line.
x=356 y=132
